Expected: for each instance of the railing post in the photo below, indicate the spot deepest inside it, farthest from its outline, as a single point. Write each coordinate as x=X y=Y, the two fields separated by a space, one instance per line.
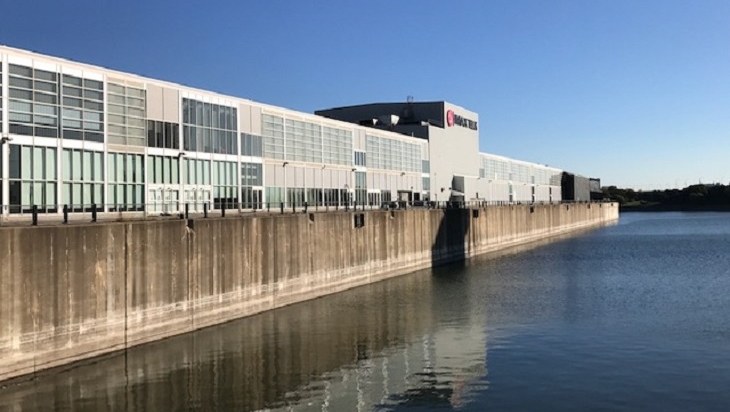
x=65 y=214
x=93 y=212
x=34 y=209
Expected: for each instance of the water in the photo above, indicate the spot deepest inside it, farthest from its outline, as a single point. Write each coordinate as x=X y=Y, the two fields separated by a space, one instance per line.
x=631 y=317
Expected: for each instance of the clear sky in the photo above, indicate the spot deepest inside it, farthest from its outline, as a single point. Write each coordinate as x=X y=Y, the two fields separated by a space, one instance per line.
x=636 y=92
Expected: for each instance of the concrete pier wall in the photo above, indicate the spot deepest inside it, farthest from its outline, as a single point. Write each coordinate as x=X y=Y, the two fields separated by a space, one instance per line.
x=74 y=292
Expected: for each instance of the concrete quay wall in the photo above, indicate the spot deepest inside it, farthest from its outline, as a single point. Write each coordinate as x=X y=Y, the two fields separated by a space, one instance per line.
x=73 y=292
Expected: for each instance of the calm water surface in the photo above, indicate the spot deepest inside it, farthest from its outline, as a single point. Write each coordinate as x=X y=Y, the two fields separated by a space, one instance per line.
x=631 y=317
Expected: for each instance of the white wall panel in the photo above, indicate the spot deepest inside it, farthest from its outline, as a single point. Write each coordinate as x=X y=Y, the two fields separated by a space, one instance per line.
x=155 y=103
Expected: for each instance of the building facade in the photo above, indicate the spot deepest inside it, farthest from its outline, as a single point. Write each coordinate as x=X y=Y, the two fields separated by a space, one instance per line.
x=458 y=171
x=80 y=135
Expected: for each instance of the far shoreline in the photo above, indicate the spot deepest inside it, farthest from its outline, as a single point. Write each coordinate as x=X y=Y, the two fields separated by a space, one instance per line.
x=674 y=208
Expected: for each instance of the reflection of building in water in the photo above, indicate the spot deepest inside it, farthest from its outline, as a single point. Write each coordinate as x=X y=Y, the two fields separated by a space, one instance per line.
x=441 y=368
x=376 y=345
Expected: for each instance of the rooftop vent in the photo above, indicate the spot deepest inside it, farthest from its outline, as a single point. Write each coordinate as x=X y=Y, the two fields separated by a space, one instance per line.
x=388 y=120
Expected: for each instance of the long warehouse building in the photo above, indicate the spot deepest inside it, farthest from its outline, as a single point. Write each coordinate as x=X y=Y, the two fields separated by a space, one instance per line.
x=76 y=134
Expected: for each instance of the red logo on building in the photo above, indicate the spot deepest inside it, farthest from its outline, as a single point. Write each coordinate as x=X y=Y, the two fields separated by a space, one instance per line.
x=450 y=117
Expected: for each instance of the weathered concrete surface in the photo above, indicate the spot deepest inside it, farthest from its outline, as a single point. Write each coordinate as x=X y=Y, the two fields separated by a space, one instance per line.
x=247 y=361
x=73 y=292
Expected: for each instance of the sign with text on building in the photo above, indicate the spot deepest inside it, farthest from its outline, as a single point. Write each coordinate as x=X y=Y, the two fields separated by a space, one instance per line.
x=453 y=119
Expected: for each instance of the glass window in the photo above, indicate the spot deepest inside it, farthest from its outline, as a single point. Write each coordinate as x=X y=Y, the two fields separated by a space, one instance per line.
x=14 y=162
x=21 y=70
x=98 y=166
x=76 y=194
x=93 y=84
x=45 y=109
x=72 y=114
x=21 y=82
x=44 y=98
x=75 y=165
x=151 y=169
x=174 y=171
x=87 y=174
x=92 y=94
x=50 y=194
x=158 y=169
x=21 y=94
x=98 y=106
x=45 y=75
x=92 y=126
x=166 y=170
x=72 y=80
x=44 y=86
x=126 y=115
x=71 y=102
x=112 y=167
x=50 y=169
x=138 y=169
x=38 y=158
x=198 y=113
x=207 y=114
x=92 y=116
x=129 y=165
x=72 y=91
x=116 y=88
x=215 y=116
x=20 y=106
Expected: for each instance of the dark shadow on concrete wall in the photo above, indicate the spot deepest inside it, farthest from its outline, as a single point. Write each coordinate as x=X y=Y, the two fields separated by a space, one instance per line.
x=453 y=232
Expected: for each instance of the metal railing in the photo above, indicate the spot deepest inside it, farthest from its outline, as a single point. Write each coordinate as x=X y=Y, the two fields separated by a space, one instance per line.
x=80 y=213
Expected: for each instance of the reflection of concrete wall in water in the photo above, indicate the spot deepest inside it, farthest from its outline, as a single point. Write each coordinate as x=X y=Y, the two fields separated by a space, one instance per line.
x=377 y=347
x=270 y=358
x=72 y=292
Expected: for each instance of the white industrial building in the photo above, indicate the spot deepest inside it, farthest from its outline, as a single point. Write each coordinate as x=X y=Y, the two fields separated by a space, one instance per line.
x=80 y=135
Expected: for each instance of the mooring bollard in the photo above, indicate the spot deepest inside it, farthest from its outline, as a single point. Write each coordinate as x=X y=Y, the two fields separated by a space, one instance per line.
x=93 y=212
x=305 y=207
x=187 y=211
x=65 y=214
x=282 y=208
x=34 y=209
x=205 y=210
x=223 y=211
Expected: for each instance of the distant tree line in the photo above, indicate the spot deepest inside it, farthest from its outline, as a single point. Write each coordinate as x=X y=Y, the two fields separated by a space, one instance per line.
x=694 y=197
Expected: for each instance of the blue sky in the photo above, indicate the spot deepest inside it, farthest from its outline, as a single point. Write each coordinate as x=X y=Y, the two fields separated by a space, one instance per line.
x=634 y=92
